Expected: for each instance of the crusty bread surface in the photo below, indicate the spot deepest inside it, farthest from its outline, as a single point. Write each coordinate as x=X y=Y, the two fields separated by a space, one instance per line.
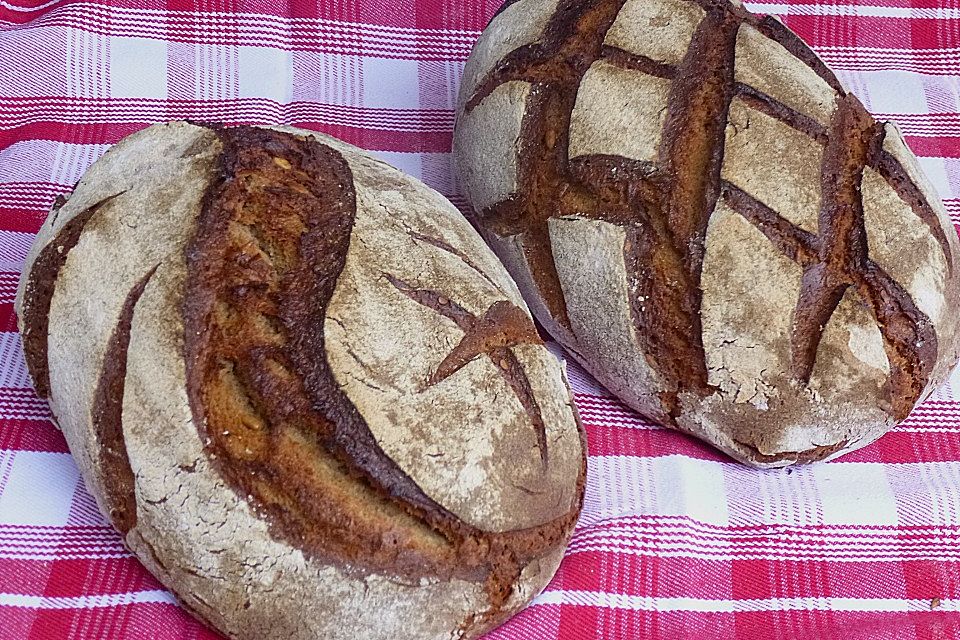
x=303 y=389
x=698 y=210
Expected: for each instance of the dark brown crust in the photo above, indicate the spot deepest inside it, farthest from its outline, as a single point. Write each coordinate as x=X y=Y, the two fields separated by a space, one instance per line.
x=664 y=208
x=797 y=244
x=107 y=418
x=898 y=179
x=690 y=157
x=775 y=30
x=493 y=334
x=636 y=62
x=765 y=104
x=820 y=293
x=842 y=240
x=444 y=246
x=271 y=243
x=628 y=193
x=572 y=41
x=909 y=338
x=255 y=302
x=672 y=203
x=881 y=160
x=38 y=292
x=842 y=261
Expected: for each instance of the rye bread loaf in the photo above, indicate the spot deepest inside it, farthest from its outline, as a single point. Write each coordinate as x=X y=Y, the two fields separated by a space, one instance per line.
x=694 y=206
x=302 y=388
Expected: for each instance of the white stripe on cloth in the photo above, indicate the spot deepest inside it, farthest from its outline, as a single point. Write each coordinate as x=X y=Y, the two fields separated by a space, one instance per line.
x=23 y=404
x=648 y=603
x=839 y=493
x=19 y=160
x=665 y=550
x=884 y=53
x=143 y=109
x=14 y=247
x=8 y=286
x=85 y=602
x=39 y=7
x=13 y=369
x=679 y=537
x=39 y=489
x=257 y=29
x=859 y=10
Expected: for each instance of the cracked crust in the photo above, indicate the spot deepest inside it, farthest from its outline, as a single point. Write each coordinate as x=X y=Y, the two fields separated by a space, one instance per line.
x=124 y=232
x=779 y=252
x=278 y=493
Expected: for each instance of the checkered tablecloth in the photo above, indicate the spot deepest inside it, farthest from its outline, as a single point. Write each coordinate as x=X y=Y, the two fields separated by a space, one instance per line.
x=676 y=541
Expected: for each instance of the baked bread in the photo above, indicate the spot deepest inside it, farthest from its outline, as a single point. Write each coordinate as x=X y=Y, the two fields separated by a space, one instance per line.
x=301 y=387
x=694 y=206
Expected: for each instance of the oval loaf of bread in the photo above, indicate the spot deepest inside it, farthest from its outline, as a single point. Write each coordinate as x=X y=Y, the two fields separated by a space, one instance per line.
x=303 y=389
x=710 y=223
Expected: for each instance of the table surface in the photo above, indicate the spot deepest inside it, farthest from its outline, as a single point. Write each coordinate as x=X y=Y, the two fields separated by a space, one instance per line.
x=675 y=540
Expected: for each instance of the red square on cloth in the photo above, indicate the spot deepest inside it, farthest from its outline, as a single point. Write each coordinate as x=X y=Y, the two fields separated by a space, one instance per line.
x=676 y=541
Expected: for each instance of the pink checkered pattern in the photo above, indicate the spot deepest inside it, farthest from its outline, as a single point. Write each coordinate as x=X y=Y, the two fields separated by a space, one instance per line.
x=676 y=541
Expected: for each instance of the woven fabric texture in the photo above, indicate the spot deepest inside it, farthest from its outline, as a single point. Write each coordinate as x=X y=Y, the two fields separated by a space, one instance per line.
x=676 y=540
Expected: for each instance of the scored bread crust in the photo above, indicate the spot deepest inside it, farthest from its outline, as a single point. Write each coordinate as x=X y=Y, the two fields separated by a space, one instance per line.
x=443 y=511
x=694 y=206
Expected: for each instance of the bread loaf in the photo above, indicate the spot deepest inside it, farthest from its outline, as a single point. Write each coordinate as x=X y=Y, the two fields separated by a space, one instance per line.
x=700 y=212
x=303 y=389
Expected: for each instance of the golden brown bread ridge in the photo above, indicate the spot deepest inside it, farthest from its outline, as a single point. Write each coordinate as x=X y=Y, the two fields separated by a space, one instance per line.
x=301 y=387
x=711 y=224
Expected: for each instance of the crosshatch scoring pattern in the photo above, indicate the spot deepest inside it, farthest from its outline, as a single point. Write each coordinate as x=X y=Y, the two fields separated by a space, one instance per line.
x=675 y=539
x=663 y=203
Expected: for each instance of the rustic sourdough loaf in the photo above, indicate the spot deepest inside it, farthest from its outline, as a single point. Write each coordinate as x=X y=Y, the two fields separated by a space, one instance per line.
x=301 y=386
x=710 y=223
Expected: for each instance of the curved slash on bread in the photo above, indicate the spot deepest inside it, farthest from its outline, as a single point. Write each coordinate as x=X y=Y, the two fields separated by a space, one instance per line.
x=272 y=241
x=502 y=326
x=107 y=416
x=236 y=275
x=42 y=279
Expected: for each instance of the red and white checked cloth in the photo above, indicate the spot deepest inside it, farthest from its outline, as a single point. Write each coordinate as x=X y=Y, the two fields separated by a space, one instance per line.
x=675 y=541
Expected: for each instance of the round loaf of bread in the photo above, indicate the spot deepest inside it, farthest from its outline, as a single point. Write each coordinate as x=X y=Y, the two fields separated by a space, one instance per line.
x=302 y=388
x=694 y=206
